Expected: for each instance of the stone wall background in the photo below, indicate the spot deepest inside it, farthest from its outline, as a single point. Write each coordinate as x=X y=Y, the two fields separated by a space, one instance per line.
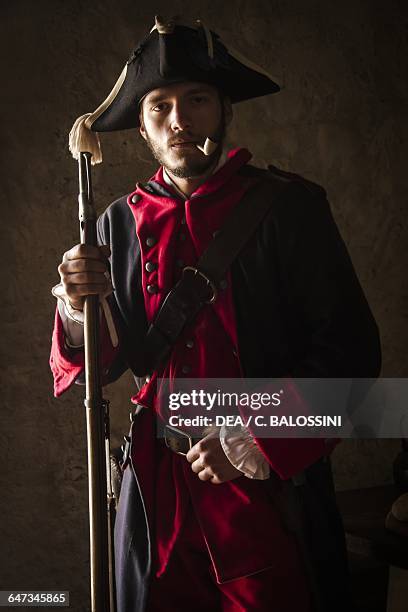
x=340 y=121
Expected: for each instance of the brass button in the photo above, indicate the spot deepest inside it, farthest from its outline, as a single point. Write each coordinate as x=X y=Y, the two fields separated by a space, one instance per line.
x=152 y=288
x=189 y=344
x=223 y=283
x=235 y=352
x=134 y=199
x=185 y=369
x=183 y=221
x=151 y=241
x=150 y=266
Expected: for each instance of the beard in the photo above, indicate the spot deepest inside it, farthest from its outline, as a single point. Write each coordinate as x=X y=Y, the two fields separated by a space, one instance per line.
x=193 y=164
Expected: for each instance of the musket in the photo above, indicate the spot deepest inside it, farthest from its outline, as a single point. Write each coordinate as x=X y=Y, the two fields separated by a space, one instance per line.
x=101 y=498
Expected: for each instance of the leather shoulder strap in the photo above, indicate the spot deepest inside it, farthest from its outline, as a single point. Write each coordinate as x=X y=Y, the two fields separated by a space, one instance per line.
x=240 y=224
x=198 y=286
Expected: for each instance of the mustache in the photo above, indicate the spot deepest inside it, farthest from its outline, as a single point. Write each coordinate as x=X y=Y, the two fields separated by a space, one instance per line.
x=185 y=138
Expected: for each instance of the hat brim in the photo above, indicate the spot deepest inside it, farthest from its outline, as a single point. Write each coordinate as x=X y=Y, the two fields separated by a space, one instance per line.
x=235 y=76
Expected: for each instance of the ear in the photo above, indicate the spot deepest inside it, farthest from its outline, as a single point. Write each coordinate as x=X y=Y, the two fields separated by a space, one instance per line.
x=142 y=127
x=228 y=110
x=142 y=131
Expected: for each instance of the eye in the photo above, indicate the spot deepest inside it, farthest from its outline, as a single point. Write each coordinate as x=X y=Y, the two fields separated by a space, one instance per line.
x=199 y=99
x=158 y=108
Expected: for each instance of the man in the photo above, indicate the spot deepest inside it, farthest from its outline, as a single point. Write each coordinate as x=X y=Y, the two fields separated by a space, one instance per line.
x=290 y=305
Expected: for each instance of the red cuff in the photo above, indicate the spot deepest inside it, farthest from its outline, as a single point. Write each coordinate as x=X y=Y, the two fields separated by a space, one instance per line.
x=67 y=364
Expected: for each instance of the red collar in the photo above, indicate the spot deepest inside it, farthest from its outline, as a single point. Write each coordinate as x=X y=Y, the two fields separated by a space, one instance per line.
x=236 y=158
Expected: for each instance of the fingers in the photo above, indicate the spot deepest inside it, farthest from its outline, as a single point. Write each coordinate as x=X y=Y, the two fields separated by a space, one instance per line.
x=194 y=452
x=204 y=471
x=198 y=465
x=83 y=272
x=85 y=251
x=206 y=474
x=87 y=283
x=210 y=463
x=200 y=461
x=81 y=265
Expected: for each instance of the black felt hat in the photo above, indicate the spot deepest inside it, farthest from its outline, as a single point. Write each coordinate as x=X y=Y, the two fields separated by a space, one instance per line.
x=171 y=53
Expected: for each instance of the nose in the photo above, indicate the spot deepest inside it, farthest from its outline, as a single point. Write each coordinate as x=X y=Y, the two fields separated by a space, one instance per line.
x=180 y=119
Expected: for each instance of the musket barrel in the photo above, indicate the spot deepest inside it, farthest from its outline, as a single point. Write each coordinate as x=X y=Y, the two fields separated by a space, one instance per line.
x=97 y=420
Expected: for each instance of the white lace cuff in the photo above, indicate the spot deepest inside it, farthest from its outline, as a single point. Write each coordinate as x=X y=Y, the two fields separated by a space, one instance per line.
x=73 y=330
x=72 y=313
x=242 y=451
x=73 y=319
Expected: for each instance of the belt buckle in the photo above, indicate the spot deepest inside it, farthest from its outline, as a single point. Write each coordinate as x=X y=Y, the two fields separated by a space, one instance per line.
x=207 y=280
x=176 y=440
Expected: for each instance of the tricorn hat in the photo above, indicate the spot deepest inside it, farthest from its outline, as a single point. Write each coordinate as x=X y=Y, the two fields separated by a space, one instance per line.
x=172 y=52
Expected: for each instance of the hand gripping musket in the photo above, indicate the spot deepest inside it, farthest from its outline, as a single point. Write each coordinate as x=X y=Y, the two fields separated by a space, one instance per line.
x=101 y=498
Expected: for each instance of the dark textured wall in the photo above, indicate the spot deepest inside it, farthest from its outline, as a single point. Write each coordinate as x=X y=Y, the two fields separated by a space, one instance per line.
x=340 y=121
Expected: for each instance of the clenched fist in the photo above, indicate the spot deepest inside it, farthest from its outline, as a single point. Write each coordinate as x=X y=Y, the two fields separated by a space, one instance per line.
x=83 y=272
x=209 y=461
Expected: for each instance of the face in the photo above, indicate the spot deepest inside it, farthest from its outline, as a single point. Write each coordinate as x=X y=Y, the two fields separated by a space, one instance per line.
x=176 y=118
